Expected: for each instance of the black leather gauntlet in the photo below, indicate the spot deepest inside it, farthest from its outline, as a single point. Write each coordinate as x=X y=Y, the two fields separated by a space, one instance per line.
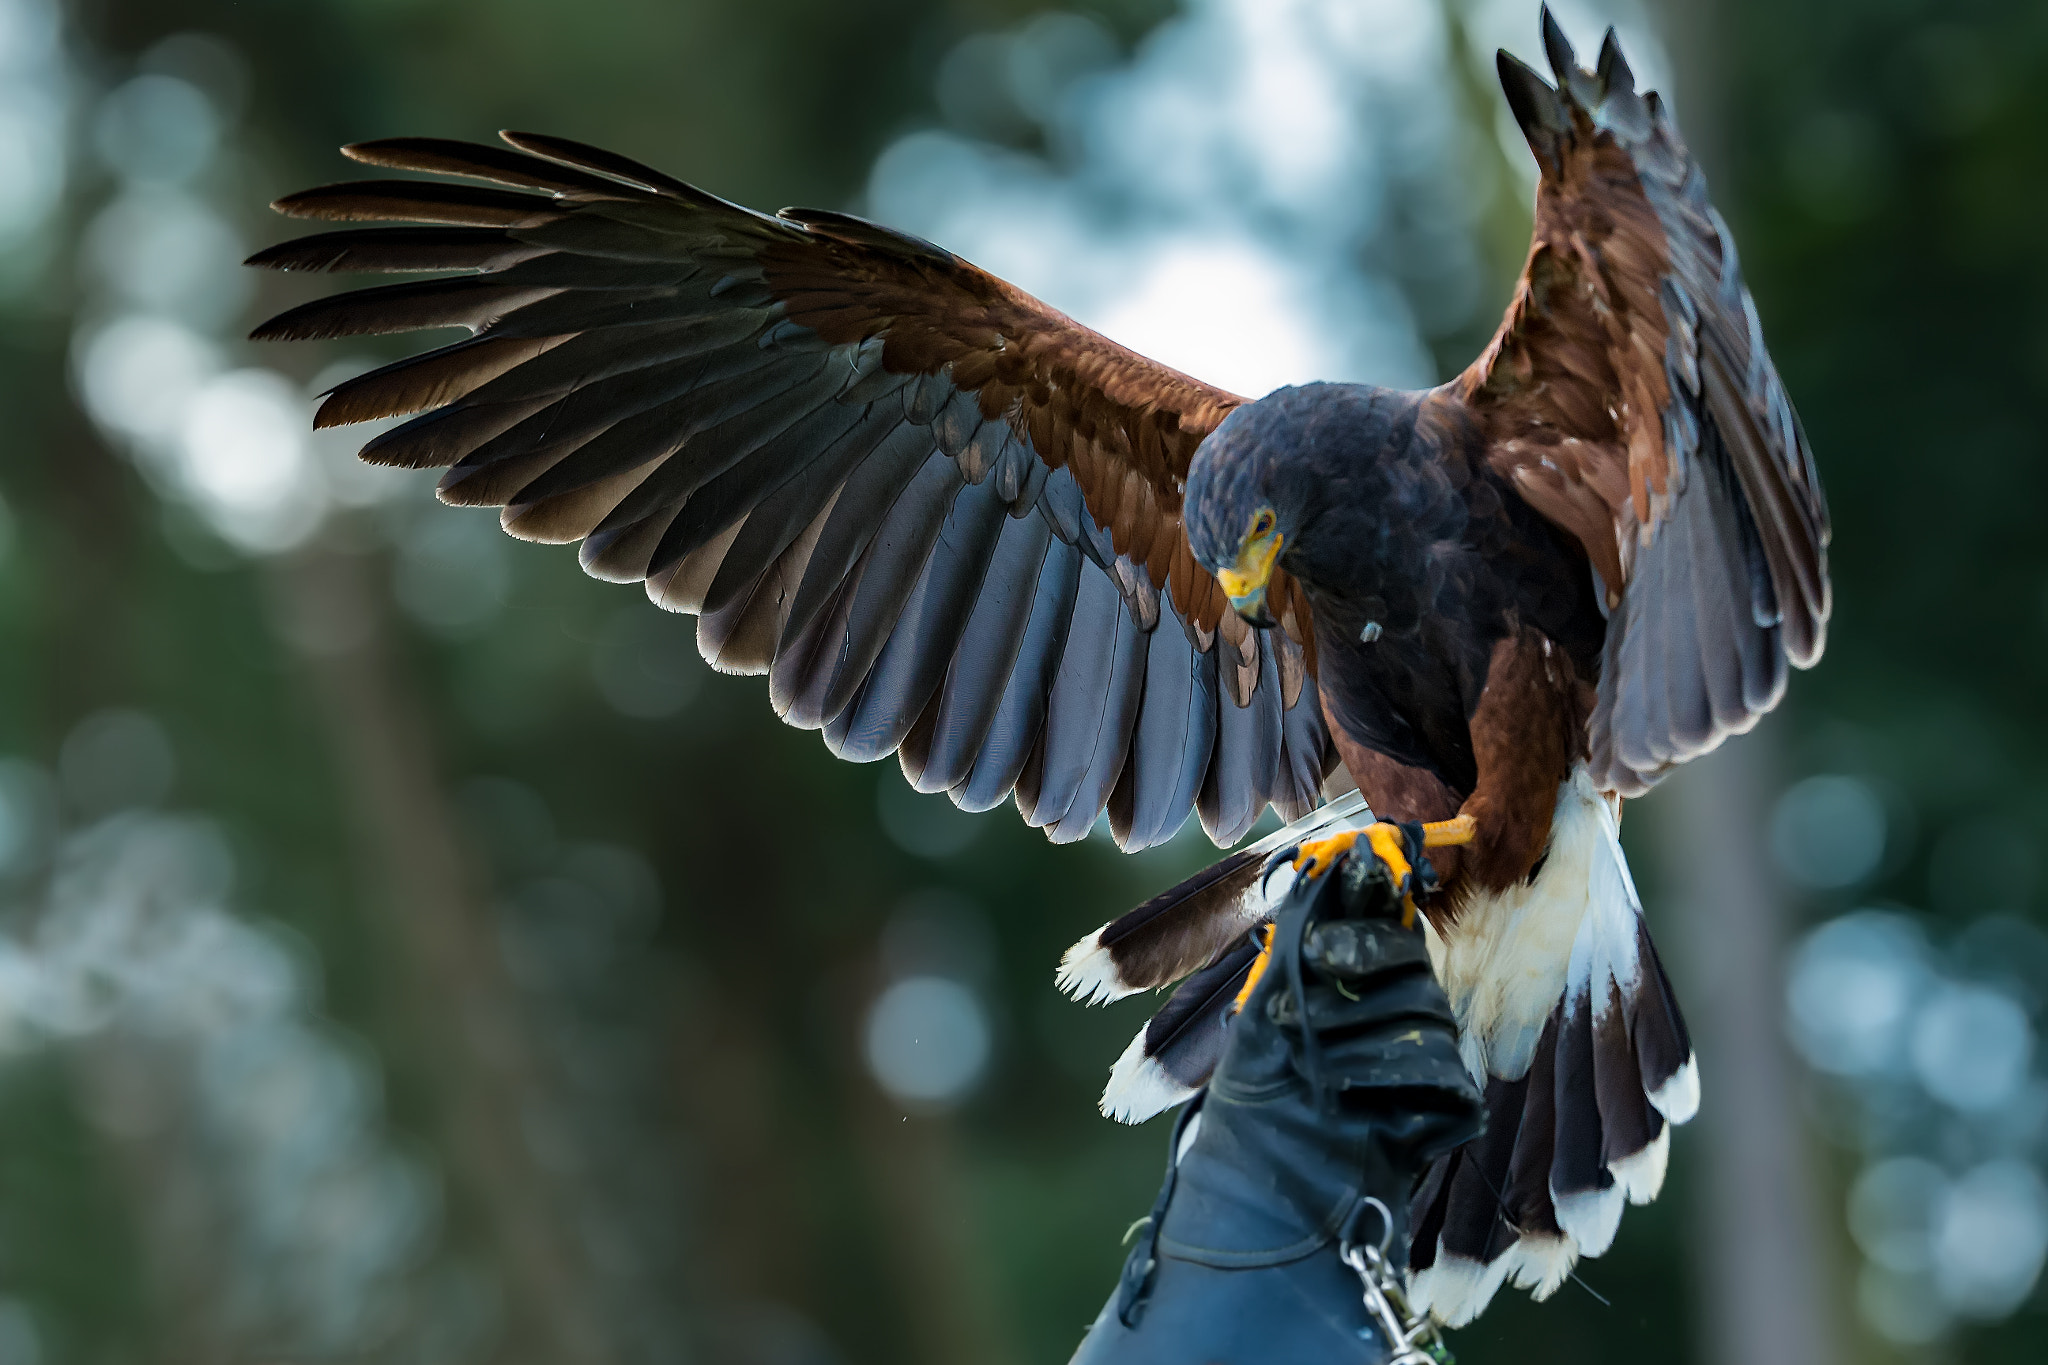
x=1340 y=1083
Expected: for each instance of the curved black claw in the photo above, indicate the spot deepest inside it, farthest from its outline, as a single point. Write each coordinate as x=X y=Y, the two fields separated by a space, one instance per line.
x=1277 y=859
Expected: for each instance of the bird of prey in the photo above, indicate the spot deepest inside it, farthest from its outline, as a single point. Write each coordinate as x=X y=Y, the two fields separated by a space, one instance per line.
x=951 y=524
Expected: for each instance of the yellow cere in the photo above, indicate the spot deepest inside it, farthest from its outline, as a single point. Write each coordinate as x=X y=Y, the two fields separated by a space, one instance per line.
x=1254 y=566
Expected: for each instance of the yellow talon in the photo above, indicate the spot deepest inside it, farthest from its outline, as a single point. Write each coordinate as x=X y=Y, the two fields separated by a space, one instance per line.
x=1388 y=846
x=1258 y=970
x=1391 y=849
x=1318 y=856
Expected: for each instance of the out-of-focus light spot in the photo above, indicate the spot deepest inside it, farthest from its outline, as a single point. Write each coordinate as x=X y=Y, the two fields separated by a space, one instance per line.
x=1892 y=1211
x=927 y=1040
x=928 y=826
x=114 y=760
x=163 y=250
x=205 y=1016
x=32 y=124
x=20 y=1342
x=453 y=573
x=1003 y=210
x=1904 y=1309
x=245 y=463
x=285 y=1079
x=1992 y=1239
x=1293 y=114
x=974 y=92
x=1972 y=1047
x=1852 y=988
x=1049 y=53
x=139 y=374
x=2007 y=951
x=646 y=664
x=1222 y=309
x=28 y=816
x=157 y=129
x=31 y=160
x=1828 y=832
x=206 y=61
x=1237 y=160
x=28 y=35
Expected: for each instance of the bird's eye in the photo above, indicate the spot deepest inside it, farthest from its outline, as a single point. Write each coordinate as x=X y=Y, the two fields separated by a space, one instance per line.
x=1262 y=524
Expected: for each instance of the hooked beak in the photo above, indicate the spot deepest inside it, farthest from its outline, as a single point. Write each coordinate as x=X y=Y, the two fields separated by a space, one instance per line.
x=1244 y=583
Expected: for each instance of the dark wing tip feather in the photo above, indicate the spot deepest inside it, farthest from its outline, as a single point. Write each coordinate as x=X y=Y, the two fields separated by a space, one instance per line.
x=583 y=156
x=416 y=201
x=448 y=156
x=1575 y=84
x=395 y=251
x=1564 y=61
x=1535 y=105
x=1613 y=69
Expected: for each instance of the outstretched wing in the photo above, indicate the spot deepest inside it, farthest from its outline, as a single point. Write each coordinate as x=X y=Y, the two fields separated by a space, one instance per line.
x=943 y=518
x=1629 y=398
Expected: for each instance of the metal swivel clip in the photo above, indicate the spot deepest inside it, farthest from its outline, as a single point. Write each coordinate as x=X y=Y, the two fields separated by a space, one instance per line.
x=1412 y=1339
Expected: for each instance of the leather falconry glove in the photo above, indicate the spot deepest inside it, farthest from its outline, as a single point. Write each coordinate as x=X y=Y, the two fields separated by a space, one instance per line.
x=1339 y=1084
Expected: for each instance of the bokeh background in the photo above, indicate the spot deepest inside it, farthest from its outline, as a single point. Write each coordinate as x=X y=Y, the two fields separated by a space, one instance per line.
x=410 y=951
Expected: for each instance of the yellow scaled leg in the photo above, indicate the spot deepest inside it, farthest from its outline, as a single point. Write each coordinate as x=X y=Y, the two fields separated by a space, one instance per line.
x=1251 y=978
x=1458 y=829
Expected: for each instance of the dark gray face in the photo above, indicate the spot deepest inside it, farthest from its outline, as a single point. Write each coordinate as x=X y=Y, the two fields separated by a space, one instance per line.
x=1249 y=491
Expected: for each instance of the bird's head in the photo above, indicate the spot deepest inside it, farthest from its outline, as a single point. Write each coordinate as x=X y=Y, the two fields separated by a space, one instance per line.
x=1249 y=492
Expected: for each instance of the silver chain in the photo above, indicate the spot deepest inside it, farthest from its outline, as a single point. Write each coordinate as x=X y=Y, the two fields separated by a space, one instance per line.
x=1412 y=1339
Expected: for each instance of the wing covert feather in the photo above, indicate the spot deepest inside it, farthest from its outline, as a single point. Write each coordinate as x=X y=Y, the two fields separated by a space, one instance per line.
x=942 y=517
x=1629 y=398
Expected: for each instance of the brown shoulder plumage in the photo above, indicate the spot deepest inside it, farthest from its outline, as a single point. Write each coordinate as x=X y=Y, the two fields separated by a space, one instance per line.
x=1629 y=397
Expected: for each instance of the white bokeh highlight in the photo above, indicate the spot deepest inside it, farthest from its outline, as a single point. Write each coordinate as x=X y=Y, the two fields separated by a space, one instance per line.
x=157 y=361
x=927 y=1040
x=1934 y=1076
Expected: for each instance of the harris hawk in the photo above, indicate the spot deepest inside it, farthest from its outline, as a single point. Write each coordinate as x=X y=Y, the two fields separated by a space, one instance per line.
x=951 y=524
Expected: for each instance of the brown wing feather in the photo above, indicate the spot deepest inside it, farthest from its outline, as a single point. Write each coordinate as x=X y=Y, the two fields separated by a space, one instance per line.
x=1629 y=379
x=808 y=429
x=1124 y=425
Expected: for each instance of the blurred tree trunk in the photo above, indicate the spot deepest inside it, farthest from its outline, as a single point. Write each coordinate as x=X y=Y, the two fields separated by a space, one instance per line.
x=929 y=1230
x=1766 y=1294
x=462 y=1008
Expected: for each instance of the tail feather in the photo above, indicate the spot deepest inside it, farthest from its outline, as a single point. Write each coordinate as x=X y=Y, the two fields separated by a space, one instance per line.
x=1579 y=1110
x=1188 y=925
x=1582 y=1190
x=1174 y=1054
x=1663 y=1046
x=1629 y=1123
